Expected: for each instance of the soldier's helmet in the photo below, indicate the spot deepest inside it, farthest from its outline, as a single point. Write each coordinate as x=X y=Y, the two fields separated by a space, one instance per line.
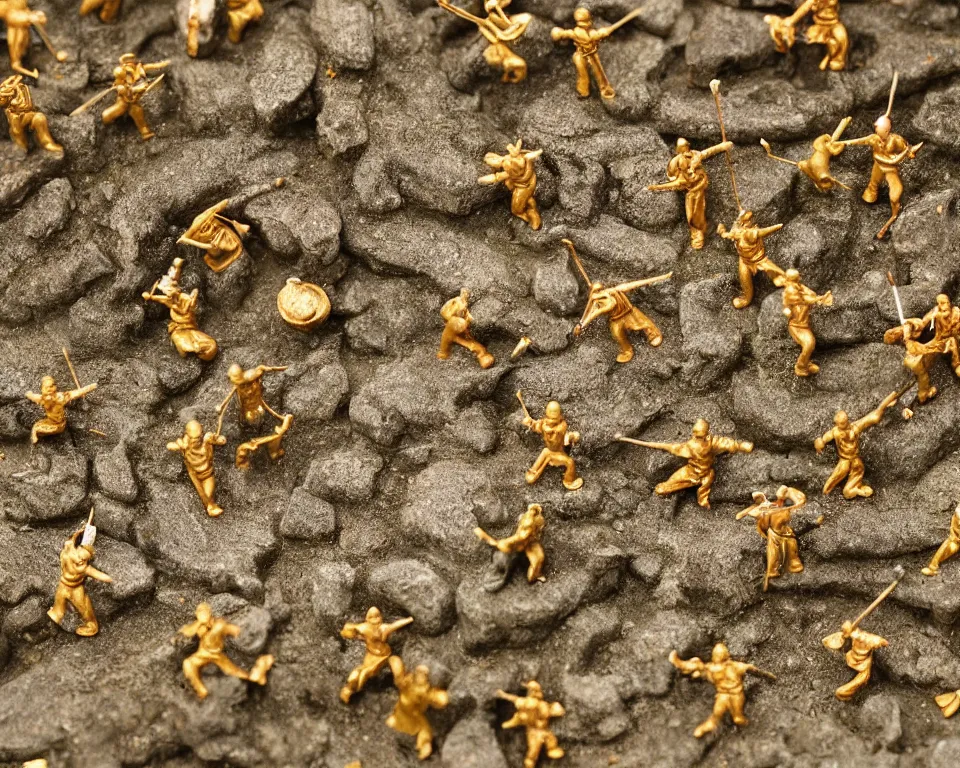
x=47 y=385
x=582 y=17
x=534 y=689
x=792 y=275
x=204 y=612
x=883 y=125
x=700 y=428
x=235 y=373
x=128 y=58
x=720 y=653
x=194 y=429
x=683 y=145
x=374 y=616
x=553 y=410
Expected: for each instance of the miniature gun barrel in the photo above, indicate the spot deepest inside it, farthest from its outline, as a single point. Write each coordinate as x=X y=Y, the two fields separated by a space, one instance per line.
x=625 y=20
x=641 y=443
x=523 y=405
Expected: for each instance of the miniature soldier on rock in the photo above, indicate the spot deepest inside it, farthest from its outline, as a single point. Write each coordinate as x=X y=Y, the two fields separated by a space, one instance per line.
x=457 y=319
x=557 y=437
x=526 y=540
x=534 y=714
x=817 y=166
x=517 y=173
x=273 y=443
x=846 y=435
x=773 y=524
x=75 y=568
x=944 y=319
x=727 y=677
x=20 y=19
x=247 y=387
x=131 y=84
x=22 y=116
x=54 y=404
x=700 y=451
x=586 y=58
x=108 y=9
x=825 y=29
x=687 y=174
x=797 y=300
x=212 y=633
x=748 y=239
x=949 y=548
x=374 y=633
x=409 y=716
x=498 y=29
x=183 y=329
x=197 y=450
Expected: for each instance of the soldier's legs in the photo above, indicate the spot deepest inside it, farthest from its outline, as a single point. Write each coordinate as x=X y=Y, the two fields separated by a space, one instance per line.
x=109 y=10
x=703 y=492
x=808 y=342
x=838 y=43
x=774 y=559
x=535 y=556
x=855 y=486
x=205 y=490
x=848 y=691
x=554 y=752
x=735 y=703
x=59 y=608
x=136 y=114
x=535 y=739
x=81 y=602
x=46 y=427
x=695 y=203
x=839 y=472
x=603 y=83
x=948 y=549
x=469 y=343
x=18 y=133
x=678 y=481
x=114 y=112
x=229 y=668
x=954 y=351
x=424 y=743
x=523 y=205
x=583 y=75
x=637 y=321
x=873 y=186
x=618 y=330
x=919 y=366
x=896 y=192
x=446 y=342
x=533 y=474
x=38 y=123
x=792 y=556
x=89 y=5
x=570 y=480
x=745 y=274
x=191 y=670
x=18 y=43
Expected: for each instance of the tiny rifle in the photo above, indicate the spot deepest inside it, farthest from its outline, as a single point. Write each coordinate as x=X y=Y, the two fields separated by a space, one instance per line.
x=523 y=405
x=625 y=20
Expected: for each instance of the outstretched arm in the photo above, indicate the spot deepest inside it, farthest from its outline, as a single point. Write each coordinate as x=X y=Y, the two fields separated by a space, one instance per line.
x=389 y=629
x=821 y=442
x=804 y=8
x=874 y=417
x=73 y=394
x=694 y=666
x=764 y=231
x=559 y=33
x=94 y=573
x=716 y=149
x=33 y=397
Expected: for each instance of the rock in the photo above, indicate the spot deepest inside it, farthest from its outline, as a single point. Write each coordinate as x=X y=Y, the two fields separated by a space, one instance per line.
x=880 y=717
x=332 y=591
x=308 y=517
x=255 y=622
x=595 y=711
x=412 y=587
x=726 y=39
x=344 y=31
x=341 y=126
x=319 y=384
x=298 y=223
x=282 y=86
x=581 y=186
x=113 y=473
x=230 y=104
x=348 y=474
x=96 y=326
x=713 y=331
x=133 y=577
x=472 y=743
x=113 y=518
x=476 y=428
x=53 y=493
x=385 y=314
x=555 y=287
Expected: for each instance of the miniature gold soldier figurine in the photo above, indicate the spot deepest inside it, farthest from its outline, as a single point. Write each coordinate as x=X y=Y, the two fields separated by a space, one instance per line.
x=862 y=645
x=797 y=300
x=748 y=239
x=131 y=83
x=846 y=435
x=409 y=716
x=817 y=166
x=75 y=568
x=825 y=29
x=273 y=443
x=586 y=58
x=533 y=713
x=889 y=151
x=374 y=634
x=948 y=549
x=498 y=29
x=212 y=633
x=526 y=540
x=686 y=174
x=184 y=332
x=241 y=13
x=557 y=437
x=22 y=116
x=457 y=318
x=54 y=403
x=622 y=316
x=197 y=450
x=727 y=677
x=108 y=9
x=517 y=173
x=20 y=19
x=773 y=524
x=700 y=451
x=247 y=387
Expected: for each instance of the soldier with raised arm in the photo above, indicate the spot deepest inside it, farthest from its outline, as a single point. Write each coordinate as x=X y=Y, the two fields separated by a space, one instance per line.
x=516 y=171
x=944 y=319
x=54 y=404
x=23 y=116
x=748 y=239
x=773 y=524
x=416 y=696
x=131 y=83
x=525 y=540
x=586 y=58
x=498 y=29
x=247 y=387
x=20 y=19
x=75 y=569
x=825 y=28
x=846 y=435
x=557 y=438
x=197 y=450
x=686 y=174
x=374 y=634
x=700 y=451
x=797 y=301
x=533 y=713
x=185 y=334
x=456 y=330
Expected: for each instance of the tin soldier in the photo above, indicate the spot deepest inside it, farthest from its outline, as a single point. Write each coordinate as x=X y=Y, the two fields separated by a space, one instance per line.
x=517 y=173
x=241 y=13
x=586 y=58
x=726 y=675
x=273 y=442
x=944 y=320
x=374 y=634
x=75 y=569
x=54 y=404
x=247 y=387
x=131 y=83
x=22 y=116
x=197 y=449
x=846 y=434
x=622 y=316
x=409 y=716
x=700 y=451
x=457 y=321
x=525 y=540
x=817 y=166
x=949 y=548
x=498 y=29
x=557 y=438
x=748 y=239
x=533 y=713
x=862 y=645
x=825 y=29
x=797 y=300
x=212 y=633
x=109 y=9
x=686 y=174
x=185 y=334
x=20 y=19
x=218 y=236
x=773 y=524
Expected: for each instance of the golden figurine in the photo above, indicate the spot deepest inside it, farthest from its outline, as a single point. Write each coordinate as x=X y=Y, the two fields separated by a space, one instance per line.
x=20 y=20
x=517 y=173
x=686 y=174
x=273 y=443
x=54 y=403
x=825 y=29
x=75 y=569
x=38 y=763
x=22 y=116
x=525 y=540
x=727 y=677
x=241 y=13
x=109 y=9
x=498 y=29
x=700 y=451
x=797 y=300
x=846 y=434
x=374 y=634
x=184 y=332
x=212 y=633
x=303 y=305
x=409 y=716
x=457 y=318
x=557 y=437
x=862 y=645
x=247 y=387
x=748 y=239
x=949 y=703
x=197 y=450
x=817 y=166
x=533 y=713
x=131 y=83
x=773 y=524
x=586 y=57
x=889 y=151
x=949 y=548
x=622 y=316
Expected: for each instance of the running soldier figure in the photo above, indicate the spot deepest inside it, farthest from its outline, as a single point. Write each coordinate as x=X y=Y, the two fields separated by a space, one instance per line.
x=457 y=321
x=557 y=437
x=374 y=633
x=797 y=300
x=748 y=239
x=517 y=173
x=825 y=29
x=247 y=387
x=687 y=174
x=20 y=19
x=846 y=435
x=586 y=58
x=773 y=524
x=949 y=548
x=525 y=540
x=22 y=116
x=197 y=450
x=185 y=334
x=409 y=716
x=75 y=568
x=945 y=321
x=534 y=714
x=131 y=83
x=54 y=404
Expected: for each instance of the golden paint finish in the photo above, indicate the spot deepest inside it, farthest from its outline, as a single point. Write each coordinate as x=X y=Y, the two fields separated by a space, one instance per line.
x=54 y=404
x=374 y=634
x=20 y=21
x=948 y=549
x=409 y=716
x=825 y=29
x=17 y=104
x=303 y=305
x=557 y=438
x=817 y=166
x=272 y=442
x=748 y=239
x=197 y=450
x=131 y=84
x=75 y=569
x=797 y=301
x=515 y=170
x=533 y=713
x=109 y=9
x=457 y=321
x=498 y=29
x=586 y=42
x=241 y=13
x=184 y=332
x=773 y=524
x=525 y=539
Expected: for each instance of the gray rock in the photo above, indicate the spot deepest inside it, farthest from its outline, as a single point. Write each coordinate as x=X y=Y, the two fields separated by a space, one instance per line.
x=476 y=428
x=344 y=31
x=298 y=222
x=412 y=587
x=713 y=331
x=472 y=743
x=555 y=286
x=113 y=473
x=319 y=384
x=282 y=86
x=332 y=591
x=595 y=709
x=254 y=621
x=54 y=492
x=308 y=517
x=341 y=126
x=113 y=518
x=725 y=38
x=880 y=717
x=349 y=473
